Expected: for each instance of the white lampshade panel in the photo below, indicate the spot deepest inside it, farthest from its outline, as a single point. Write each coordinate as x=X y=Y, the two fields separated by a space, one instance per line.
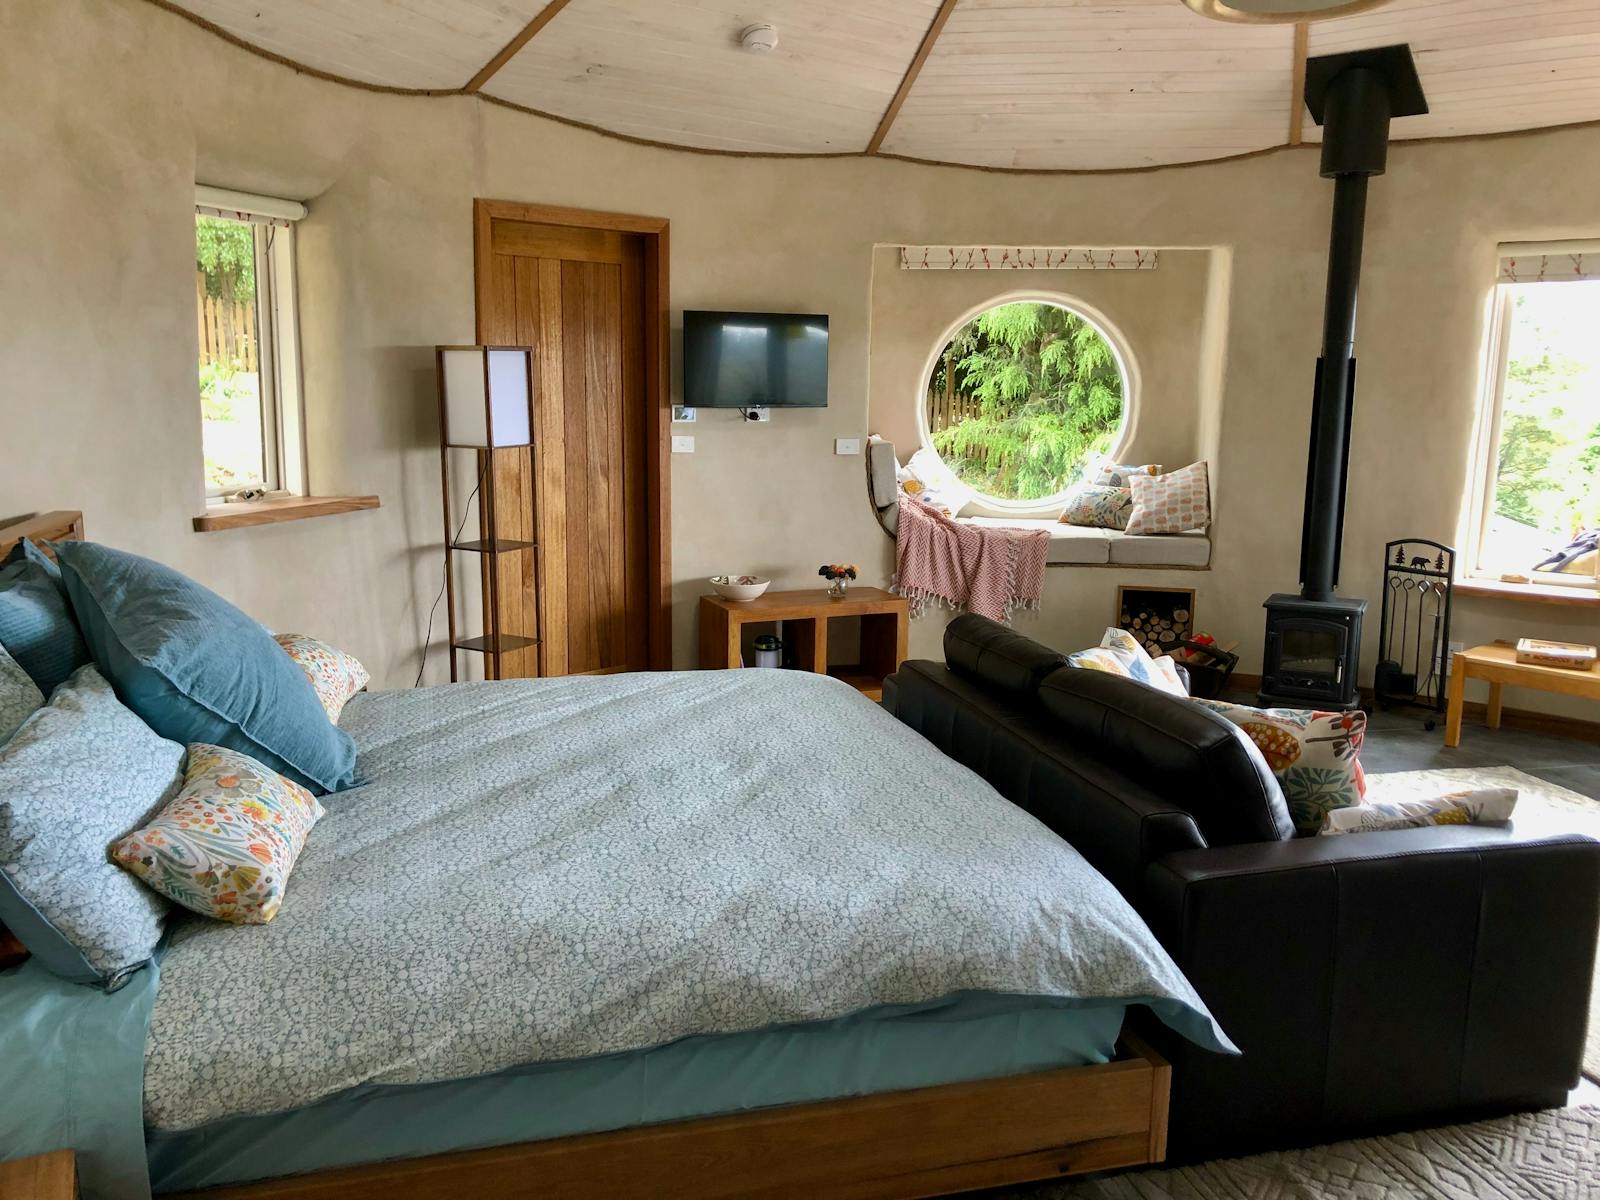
x=468 y=406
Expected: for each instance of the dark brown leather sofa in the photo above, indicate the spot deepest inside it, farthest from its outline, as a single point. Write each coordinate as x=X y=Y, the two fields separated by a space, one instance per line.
x=1373 y=981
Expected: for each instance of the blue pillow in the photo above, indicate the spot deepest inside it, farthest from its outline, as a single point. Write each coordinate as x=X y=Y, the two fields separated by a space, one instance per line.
x=199 y=670
x=80 y=773
x=36 y=625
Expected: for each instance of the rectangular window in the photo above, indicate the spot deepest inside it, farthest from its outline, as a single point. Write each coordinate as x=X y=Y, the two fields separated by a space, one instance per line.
x=1539 y=448
x=248 y=334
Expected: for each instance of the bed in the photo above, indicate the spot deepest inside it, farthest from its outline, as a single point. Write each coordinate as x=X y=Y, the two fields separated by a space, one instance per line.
x=708 y=933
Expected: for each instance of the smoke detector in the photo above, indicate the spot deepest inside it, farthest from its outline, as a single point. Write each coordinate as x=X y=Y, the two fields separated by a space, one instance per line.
x=759 y=39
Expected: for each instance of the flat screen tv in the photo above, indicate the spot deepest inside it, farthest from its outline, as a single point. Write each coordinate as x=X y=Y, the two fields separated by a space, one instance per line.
x=755 y=360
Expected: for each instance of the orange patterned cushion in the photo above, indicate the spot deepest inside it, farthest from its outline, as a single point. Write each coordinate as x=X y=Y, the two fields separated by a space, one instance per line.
x=1172 y=503
x=335 y=675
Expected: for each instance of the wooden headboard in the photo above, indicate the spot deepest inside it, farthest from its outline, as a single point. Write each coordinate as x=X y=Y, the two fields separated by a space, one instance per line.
x=42 y=527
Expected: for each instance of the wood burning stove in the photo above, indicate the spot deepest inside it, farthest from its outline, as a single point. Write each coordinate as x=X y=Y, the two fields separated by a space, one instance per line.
x=1313 y=643
x=1312 y=651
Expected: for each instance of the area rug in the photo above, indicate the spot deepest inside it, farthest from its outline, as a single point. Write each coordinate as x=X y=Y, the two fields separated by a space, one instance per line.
x=1553 y=1155
x=1401 y=784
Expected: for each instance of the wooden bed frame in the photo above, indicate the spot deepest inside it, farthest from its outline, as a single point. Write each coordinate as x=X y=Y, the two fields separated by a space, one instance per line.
x=42 y=527
x=889 y=1146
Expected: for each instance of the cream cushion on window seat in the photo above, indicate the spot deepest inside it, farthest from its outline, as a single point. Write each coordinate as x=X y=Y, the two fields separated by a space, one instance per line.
x=1082 y=545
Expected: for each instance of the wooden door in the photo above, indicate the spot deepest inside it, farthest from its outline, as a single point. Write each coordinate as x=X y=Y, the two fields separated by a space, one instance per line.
x=578 y=297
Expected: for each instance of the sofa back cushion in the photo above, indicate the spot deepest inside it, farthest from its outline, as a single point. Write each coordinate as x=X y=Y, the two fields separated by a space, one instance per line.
x=1177 y=749
x=988 y=653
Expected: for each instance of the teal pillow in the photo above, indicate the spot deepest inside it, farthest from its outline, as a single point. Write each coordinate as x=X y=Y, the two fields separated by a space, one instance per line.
x=36 y=624
x=199 y=670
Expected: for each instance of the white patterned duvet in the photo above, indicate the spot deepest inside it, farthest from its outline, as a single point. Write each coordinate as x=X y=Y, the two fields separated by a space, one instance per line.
x=540 y=870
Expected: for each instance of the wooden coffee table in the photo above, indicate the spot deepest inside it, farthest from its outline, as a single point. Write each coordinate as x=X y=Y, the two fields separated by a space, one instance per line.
x=1499 y=666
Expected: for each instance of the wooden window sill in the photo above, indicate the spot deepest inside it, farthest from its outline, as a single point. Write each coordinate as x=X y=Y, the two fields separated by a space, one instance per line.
x=1529 y=593
x=273 y=512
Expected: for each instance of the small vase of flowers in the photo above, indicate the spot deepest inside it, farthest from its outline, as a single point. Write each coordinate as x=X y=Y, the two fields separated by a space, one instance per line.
x=838 y=576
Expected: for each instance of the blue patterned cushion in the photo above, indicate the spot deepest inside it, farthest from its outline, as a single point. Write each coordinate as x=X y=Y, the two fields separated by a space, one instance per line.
x=1120 y=474
x=36 y=624
x=20 y=697
x=80 y=773
x=199 y=670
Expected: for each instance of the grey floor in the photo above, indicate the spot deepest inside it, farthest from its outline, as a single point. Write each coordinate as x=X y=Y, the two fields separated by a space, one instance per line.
x=1397 y=741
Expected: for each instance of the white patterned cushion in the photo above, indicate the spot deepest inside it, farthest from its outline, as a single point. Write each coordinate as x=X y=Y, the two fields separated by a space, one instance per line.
x=1119 y=474
x=79 y=774
x=224 y=845
x=1119 y=653
x=1096 y=507
x=1172 y=503
x=1315 y=755
x=335 y=675
x=20 y=697
x=1483 y=806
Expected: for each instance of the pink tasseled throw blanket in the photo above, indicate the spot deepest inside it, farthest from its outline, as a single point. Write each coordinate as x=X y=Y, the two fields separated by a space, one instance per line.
x=980 y=568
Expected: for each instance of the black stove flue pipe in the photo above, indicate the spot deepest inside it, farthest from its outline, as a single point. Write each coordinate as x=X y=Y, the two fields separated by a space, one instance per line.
x=1353 y=96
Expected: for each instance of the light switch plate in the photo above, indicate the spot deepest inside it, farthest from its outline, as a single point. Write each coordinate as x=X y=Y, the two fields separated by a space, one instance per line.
x=847 y=445
x=682 y=444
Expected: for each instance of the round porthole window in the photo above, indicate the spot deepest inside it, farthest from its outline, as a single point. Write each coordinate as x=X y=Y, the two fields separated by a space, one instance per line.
x=1022 y=396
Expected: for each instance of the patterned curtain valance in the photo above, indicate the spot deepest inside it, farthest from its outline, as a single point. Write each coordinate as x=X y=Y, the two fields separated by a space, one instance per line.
x=1028 y=258
x=236 y=214
x=244 y=206
x=1549 y=262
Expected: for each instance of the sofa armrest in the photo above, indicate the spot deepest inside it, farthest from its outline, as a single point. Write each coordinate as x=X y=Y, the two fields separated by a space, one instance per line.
x=1376 y=979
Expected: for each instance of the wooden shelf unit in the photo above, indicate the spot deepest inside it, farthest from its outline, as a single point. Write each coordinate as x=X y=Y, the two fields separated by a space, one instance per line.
x=885 y=626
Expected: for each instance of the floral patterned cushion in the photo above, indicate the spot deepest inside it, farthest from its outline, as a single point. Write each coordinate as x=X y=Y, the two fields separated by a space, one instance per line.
x=80 y=773
x=1119 y=474
x=335 y=675
x=20 y=697
x=1119 y=653
x=1315 y=755
x=1098 y=507
x=225 y=844
x=1172 y=503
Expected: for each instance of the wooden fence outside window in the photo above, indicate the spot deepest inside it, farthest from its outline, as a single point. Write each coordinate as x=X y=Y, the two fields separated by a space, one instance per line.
x=227 y=329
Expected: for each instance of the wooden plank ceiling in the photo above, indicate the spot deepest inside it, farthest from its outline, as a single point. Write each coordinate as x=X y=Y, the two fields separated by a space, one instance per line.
x=1035 y=84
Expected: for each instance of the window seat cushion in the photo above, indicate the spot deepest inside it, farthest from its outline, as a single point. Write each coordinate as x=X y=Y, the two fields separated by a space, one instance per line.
x=1079 y=545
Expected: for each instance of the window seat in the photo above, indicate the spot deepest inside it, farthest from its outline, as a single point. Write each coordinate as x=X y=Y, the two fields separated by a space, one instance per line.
x=1081 y=546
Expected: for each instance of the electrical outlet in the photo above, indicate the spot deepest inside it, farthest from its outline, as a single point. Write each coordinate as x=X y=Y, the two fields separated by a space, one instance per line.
x=682 y=444
x=847 y=445
x=757 y=414
x=681 y=413
x=1457 y=647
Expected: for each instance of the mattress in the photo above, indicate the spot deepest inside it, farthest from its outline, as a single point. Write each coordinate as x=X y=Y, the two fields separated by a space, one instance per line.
x=974 y=1036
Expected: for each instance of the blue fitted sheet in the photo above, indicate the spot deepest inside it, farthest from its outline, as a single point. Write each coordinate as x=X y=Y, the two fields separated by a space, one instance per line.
x=72 y=1075
x=971 y=1036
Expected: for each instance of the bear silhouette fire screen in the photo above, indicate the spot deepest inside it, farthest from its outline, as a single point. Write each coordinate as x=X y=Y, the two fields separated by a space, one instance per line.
x=1414 y=635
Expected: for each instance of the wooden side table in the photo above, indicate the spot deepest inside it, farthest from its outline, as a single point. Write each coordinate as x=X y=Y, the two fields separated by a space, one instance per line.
x=1499 y=665
x=885 y=626
x=52 y=1176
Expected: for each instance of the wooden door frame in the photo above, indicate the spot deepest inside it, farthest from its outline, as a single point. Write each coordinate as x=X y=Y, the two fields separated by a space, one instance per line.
x=657 y=377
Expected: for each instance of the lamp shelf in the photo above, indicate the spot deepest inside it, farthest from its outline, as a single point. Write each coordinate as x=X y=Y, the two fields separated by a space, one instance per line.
x=496 y=546
x=504 y=643
x=486 y=404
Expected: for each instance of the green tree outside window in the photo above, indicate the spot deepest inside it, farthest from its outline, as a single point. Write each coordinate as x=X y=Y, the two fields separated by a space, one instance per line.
x=1023 y=397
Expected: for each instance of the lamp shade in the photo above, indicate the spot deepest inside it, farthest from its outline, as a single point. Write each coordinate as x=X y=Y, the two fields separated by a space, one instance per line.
x=485 y=395
x=1280 y=12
